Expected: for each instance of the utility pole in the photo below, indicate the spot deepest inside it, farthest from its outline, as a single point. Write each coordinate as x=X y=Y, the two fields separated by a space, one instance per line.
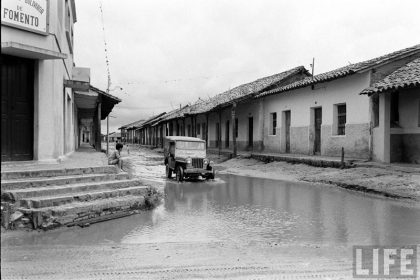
x=107 y=135
x=313 y=66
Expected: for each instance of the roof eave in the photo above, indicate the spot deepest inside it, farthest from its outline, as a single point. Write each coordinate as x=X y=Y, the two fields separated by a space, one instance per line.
x=403 y=55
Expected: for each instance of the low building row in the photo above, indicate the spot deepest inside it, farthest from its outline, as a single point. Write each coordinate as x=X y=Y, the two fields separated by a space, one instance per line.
x=370 y=109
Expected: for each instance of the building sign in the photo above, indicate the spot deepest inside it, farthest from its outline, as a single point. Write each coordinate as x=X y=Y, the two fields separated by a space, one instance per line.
x=30 y=15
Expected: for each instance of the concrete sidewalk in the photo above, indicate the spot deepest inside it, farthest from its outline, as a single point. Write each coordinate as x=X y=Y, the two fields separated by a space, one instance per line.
x=85 y=156
x=321 y=161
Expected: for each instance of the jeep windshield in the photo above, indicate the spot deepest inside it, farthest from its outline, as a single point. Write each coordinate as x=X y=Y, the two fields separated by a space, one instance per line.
x=184 y=145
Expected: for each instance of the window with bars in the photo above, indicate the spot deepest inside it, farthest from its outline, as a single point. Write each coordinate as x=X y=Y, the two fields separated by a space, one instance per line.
x=341 y=119
x=273 y=118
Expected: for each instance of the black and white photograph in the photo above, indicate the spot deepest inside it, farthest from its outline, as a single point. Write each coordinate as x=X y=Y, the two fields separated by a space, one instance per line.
x=210 y=139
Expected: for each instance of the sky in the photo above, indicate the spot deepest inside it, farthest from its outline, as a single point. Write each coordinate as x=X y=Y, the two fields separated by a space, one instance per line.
x=163 y=53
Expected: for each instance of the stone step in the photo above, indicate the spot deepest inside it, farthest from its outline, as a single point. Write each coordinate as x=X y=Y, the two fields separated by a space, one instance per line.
x=49 y=217
x=58 y=181
x=16 y=195
x=8 y=175
x=49 y=201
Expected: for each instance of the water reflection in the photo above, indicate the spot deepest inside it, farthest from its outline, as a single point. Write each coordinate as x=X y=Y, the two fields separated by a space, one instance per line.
x=241 y=209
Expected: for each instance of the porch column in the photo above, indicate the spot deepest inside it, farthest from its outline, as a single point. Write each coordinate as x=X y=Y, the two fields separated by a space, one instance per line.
x=234 y=129
x=385 y=127
x=98 y=127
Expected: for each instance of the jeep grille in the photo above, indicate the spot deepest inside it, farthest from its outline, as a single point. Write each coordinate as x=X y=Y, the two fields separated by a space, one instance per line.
x=197 y=162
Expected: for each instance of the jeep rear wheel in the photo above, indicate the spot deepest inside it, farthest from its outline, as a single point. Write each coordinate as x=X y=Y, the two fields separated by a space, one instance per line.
x=168 y=171
x=180 y=174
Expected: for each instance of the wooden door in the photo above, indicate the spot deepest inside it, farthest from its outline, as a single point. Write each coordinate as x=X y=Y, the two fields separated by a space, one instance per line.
x=17 y=108
x=250 y=132
x=287 y=130
x=318 y=122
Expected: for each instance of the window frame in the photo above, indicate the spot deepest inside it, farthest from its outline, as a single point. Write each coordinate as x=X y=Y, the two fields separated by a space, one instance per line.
x=273 y=124
x=341 y=126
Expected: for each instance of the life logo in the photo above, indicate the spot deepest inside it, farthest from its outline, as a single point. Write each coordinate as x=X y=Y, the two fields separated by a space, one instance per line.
x=385 y=261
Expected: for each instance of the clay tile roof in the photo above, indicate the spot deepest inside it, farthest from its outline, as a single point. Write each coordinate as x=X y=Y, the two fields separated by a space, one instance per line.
x=129 y=125
x=407 y=76
x=243 y=91
x=177 y=113
x=149 y=120
x=345 y=71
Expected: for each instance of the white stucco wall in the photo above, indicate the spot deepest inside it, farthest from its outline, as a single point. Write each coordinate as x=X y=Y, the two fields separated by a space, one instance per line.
x=54 y=124
x=325 y=95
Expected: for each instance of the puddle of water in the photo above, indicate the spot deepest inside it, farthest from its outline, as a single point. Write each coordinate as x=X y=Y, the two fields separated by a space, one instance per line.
x=244 y=210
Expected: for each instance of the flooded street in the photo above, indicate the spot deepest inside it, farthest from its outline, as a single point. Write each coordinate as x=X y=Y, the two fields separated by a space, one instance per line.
x=236 y=227
x=243 y=210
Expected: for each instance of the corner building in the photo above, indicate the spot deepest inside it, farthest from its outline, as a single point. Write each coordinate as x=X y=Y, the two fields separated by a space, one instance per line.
x=39 y=113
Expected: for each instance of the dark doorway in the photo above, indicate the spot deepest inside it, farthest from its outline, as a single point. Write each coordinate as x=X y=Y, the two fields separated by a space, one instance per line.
x=17 y=108
x=227 y=135
x=287 y=130
x=217 y=135
x=318 y=122
x=250 y=132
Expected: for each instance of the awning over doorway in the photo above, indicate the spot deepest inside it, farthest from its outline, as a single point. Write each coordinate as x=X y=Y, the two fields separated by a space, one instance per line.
x=87 y=102
x=22 y=50
x=108 y=101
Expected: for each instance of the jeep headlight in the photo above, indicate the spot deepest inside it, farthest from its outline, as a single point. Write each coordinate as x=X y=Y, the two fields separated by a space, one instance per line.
x=189 y=161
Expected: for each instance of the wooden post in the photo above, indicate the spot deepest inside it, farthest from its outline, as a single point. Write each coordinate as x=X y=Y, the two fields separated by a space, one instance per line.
x=107 y=135
x=98 y=128
x=342 y=157
x=234 y=129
